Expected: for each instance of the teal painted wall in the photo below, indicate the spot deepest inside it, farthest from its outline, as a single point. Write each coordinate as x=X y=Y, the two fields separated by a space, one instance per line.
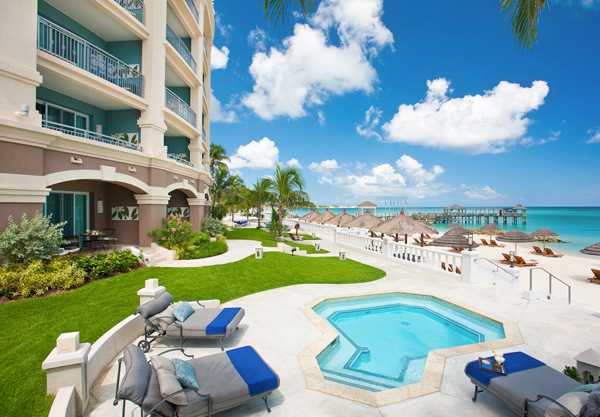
x=122 y=121
x=178 y=144
x=130 y=52
x=187 y=42
x=97 y=115
x=182 y=92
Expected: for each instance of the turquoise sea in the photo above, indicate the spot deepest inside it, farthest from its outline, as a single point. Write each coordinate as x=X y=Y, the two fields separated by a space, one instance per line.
x=578 y=227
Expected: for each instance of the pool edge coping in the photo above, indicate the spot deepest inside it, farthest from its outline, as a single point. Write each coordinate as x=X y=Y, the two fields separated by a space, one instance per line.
x=433 y=374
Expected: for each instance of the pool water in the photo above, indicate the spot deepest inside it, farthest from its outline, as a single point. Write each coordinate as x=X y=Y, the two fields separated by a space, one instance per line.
x=385 y=339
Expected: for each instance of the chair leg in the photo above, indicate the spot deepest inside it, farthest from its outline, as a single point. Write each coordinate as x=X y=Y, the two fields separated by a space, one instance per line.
x=221 y=343
x=265 y=399
x=477 y=391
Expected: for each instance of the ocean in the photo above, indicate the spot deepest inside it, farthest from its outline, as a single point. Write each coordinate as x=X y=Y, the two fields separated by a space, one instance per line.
x=578 y=227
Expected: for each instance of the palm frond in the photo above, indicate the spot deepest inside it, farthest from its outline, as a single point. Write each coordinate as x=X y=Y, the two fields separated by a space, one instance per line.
x=524 y=19
x=278 y=9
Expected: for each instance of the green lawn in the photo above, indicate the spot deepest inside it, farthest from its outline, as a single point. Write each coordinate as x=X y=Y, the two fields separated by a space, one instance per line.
x=32 y=326
x=310 y=249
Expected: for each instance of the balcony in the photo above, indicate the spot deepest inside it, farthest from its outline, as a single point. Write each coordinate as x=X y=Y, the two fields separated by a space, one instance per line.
x=193 y=9
x=179 y=107
x=179 y=158
x=69 y=47
x=135 y=7
x=180 y=47
x=87 y=134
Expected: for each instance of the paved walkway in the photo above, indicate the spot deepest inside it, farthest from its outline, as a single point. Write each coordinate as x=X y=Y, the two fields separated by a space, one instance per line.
x=279 y=330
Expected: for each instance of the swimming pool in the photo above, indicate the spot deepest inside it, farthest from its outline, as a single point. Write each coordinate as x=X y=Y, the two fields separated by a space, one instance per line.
x=385 y=339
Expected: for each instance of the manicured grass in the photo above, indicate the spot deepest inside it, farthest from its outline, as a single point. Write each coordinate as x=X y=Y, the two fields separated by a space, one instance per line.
x=310 y=249
x=30 y=327
x=253 y=234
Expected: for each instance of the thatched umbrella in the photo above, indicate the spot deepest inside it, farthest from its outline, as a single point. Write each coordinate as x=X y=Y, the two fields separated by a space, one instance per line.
x=592 y=250
x=516 y=236
x=545 y=233
x=453 y=224
x=308 y=217
x=365 y=221
x=491 y=227
x=326 y=215
x=340 y=219
x=452 y=240
x=403 y=225
x=459 y=230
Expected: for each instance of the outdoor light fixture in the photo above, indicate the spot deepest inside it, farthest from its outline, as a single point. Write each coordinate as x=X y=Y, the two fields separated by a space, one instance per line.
x=511 y=256
x=24 y=112
x=470 y=241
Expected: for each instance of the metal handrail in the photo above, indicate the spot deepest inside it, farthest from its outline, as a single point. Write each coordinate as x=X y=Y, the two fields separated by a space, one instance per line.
x=550 y=276
x=179 y=159
x=135 y=7
x=174 y=39
x=180 y=107
x=497 y=266
x=193 y=9
x=69 y=47
x=87 y=134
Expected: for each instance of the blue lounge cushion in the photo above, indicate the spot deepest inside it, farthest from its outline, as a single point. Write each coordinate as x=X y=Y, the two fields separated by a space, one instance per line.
x=255 y=372
x=514 y=362
x=185 y=374
x=182 y=312
x=220 y=323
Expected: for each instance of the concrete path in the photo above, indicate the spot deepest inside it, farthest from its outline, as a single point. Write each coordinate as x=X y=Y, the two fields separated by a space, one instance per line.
x=280 y=331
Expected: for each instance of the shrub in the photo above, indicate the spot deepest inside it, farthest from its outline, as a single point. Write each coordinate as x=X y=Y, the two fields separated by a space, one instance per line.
x=571 y=372
x=34 y=240
x=205 y=250
x=218 y=211
x=103 y=264
x=277 y=228
x=177 y=233
x=40 y=277
x=212 y=226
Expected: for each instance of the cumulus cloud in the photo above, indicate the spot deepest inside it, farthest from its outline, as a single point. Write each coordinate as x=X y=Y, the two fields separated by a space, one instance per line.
x=322 y=117
x=257 y=38
x=255 y=155
x=324 y=167
x=224 y=29
x=368 y=126
x=293 y=163
x=219 y=57
x=415 y=171
x=487 y=123
x=594 y=136
x=218 y=114
x=481 y=193
x=309 y=68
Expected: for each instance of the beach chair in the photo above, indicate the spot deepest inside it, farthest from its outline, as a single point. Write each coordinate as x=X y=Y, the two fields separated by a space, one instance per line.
x=418 y=242
x=484 y=242
x=506 y=259
x=537 y=251
x=444 y=266
x=519 y=261
x=450 y=268
x=550 y=253
x=530 y=387
x=241 y=223
x=494 y=244
x=457 y=270
x=164 y=320
x=222 y=381
x=596 y=278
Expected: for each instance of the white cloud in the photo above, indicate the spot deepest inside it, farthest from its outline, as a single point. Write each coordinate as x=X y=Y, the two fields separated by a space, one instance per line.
x=255 y=155
x=324 y=167
x=225 y=29
x=257 y=38
x=481 y=193
x=218 y=114
x=367 y=127
x=293 y=162
x=219 y=57
x=594 y=136
x=487 y=123
x=322 y=117
x=309 y=68
x=414 y=170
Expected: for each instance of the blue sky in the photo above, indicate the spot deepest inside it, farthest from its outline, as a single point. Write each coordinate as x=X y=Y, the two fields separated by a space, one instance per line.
x=432 y=103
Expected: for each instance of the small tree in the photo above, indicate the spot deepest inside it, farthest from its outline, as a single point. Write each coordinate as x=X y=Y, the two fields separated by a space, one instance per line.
x=212 y=226
x=34 y=240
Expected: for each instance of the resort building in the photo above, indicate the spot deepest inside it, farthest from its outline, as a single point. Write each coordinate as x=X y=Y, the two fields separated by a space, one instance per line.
x=104 y=113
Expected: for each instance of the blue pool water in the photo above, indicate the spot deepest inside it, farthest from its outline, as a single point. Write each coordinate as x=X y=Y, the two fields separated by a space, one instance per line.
x=385 y=339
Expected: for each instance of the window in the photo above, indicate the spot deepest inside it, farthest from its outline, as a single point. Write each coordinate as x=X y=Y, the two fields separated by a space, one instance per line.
x=72 y=208
x=62 y=115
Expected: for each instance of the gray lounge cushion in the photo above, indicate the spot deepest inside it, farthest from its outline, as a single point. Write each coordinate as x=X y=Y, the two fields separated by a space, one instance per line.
x=167 y=380
x=593 y=404
x=137 y=376
x=195 y=325
x=152 y=308
x=573 y=401
x=154 y=397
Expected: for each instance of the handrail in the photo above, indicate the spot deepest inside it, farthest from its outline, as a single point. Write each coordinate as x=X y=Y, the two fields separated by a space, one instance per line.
x=180 y=107
x=193 y=9
x=135 y=7
x=550 y=276
x=87 y=134
x=497 y=266
x=174 y=39
x=179 y=159
x=69 y=47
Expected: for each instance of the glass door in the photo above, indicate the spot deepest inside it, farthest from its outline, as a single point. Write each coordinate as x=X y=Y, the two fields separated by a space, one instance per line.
x=70 y=207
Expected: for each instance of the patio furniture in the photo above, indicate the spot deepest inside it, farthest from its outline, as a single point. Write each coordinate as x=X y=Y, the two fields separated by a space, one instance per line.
x=109 y=238
x=215 y=382
x=494 y=244
x=519 y=261
x=551 y=254
x=164 y=319
x=241 y=223
x=484 y=242
x=529 y=387
x=596 y=278
x=537 y=251
x=506 y=259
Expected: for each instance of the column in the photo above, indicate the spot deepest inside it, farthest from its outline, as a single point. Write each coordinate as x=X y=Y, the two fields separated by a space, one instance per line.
x=152 y=209
x=151 y=291
x=198 y=211
x=468 y=267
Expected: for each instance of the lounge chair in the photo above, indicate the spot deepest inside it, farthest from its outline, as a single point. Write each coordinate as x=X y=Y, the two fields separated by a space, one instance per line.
x=550 y=253
x=537 y=251
x=494 y=244
x=241 y=223
x=457 y=270
x=203 y=323
x=457 y=250
x=418 y=242
x=529 y=387
x=294 y=237
x=484 y=242
x=506 y=259
x=596 y=278
x=519 y=261
x=444 y=266
x=226 y=380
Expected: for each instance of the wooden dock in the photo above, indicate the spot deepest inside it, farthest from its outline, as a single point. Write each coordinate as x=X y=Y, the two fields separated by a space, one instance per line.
x=472 y=216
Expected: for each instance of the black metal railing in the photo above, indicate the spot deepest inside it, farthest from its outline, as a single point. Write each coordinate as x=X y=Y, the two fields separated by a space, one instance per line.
x=181 y=48
x=87 y=134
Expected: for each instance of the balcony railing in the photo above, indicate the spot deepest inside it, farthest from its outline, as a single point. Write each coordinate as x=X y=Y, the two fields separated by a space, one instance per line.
x=180 y=47
x=177 y=157
x=180 y=107
x=135 y=7
x=87 y=134
x=204 y=43
x=63 y=44
x=193 y=9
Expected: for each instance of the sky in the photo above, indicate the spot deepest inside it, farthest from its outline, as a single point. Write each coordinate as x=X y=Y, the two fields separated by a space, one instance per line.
x=425 y=103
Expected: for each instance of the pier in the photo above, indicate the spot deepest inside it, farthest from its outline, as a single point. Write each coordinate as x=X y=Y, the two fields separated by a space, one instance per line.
x=460 y=214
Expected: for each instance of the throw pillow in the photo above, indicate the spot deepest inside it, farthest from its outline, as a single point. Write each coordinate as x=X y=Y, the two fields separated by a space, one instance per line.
x=586 y=388
x=185 y=374
x=573 y=401
x=167 y=381
x=182 y=312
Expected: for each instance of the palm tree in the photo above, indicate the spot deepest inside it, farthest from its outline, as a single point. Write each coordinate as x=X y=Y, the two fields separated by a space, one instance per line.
x=235 y=194
x=287 y=188
x=261 y=194
x=217 y=156
x=221 y=182
x=525 y=15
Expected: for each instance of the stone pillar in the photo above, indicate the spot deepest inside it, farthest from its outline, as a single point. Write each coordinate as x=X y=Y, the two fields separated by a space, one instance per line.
x=151 y=291
x=386 y=247
x=67 y=366
x=468 y=267
x=152 y=210
x=197 y=212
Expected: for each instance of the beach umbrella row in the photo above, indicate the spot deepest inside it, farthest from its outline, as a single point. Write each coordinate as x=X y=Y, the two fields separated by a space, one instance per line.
x=592 y=250
x=516 y=236
x=340 y=219
x=403 y=225
x=544 y=233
